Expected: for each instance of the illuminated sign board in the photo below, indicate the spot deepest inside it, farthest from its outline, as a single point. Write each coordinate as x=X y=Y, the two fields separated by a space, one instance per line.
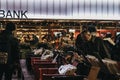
x=60 y=9
x=13 y=14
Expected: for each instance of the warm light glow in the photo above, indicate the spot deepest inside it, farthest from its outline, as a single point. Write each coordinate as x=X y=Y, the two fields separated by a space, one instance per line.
x=72 y=30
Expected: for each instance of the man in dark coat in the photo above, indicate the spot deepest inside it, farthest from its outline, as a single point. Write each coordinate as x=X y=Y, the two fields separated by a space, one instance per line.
x=95 y=45
x=12 y=50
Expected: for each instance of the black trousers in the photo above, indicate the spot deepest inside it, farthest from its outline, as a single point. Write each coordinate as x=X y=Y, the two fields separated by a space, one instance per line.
x=7 y=71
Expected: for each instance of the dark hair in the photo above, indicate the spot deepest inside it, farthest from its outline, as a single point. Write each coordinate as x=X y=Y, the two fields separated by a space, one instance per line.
x=92 y=29
x=10 y=26
x=108 y=35
x=85 y=31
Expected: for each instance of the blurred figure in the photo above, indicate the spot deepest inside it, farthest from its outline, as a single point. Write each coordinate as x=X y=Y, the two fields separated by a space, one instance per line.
x=109 y=43
x=94 y=44
x=92 y=30
x=116 y=50
x=72 y=36
x=12 y=50
x=34 y=40
x=108 y=38
x=80 y=43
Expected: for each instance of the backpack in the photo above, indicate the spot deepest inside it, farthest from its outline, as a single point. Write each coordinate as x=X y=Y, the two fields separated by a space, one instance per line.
x=4 y=49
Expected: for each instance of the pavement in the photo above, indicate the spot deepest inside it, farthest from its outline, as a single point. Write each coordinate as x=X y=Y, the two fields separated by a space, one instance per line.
x=26 y=74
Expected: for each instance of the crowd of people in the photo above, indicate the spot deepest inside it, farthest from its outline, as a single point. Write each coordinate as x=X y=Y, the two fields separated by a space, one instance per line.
x=89 y=43
x=64 y=53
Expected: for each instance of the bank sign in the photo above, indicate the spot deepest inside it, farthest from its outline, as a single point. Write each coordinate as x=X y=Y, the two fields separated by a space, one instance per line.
x=60 y=9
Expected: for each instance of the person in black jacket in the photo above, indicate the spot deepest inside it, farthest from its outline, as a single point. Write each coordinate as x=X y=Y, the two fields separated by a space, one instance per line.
x=95 y=45
x=12 y=50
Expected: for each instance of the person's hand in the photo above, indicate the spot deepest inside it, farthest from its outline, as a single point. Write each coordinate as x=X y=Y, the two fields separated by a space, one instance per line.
x=76 y=55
